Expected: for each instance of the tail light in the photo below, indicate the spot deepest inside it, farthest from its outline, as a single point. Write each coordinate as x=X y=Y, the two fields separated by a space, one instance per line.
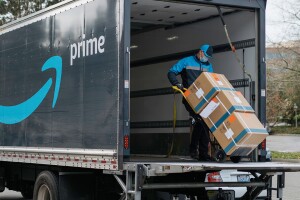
x=264 y=144
x=214 y=177
x=126 y=142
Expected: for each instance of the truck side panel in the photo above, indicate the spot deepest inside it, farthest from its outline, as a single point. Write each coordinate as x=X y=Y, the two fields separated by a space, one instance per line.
x=74 y=108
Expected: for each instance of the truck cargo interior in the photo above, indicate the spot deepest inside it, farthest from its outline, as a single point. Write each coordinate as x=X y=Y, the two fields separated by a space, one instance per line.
x=163 y=32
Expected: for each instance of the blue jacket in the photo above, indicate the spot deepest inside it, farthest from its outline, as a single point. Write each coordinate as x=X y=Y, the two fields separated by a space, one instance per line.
x=189 y=68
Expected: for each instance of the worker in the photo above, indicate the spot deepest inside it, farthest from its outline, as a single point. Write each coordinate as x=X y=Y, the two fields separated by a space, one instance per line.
x=190 y=68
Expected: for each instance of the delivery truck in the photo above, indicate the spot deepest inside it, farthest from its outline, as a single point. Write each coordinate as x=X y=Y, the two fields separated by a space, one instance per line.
x=86 y=109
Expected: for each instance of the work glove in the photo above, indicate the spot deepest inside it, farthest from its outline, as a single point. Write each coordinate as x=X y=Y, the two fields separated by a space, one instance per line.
x=180 y=86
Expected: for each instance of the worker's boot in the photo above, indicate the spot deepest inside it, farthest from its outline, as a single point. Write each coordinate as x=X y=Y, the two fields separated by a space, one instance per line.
x=194 y=154
x=205 y=157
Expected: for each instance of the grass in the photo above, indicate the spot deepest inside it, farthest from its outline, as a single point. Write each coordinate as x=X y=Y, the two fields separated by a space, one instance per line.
x=285 y=130
x=285 y=155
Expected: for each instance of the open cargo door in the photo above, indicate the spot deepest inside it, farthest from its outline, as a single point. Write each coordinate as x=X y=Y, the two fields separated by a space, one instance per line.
x=162 y=32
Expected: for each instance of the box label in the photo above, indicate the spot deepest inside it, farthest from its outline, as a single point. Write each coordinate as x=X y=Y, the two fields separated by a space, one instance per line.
x=220 y=83
x=199 y=93
x=216 y=77
x=229 y=133
x=238 y=100
x=209 y=109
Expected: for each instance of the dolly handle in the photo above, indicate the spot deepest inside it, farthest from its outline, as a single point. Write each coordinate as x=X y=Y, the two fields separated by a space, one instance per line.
x=179 y=90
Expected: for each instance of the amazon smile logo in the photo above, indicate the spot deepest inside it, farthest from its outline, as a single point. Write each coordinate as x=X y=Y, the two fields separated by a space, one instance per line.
x=17 y=113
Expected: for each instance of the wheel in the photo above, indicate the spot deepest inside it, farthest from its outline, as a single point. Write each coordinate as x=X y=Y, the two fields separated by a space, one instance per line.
x=235 y=159
x=220 y=155
x=46 y=187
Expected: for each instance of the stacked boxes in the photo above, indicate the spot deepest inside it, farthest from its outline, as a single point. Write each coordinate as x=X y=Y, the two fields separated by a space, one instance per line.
x=222 y=106
x=240 y=133
x=204 y=88
x=227 y=113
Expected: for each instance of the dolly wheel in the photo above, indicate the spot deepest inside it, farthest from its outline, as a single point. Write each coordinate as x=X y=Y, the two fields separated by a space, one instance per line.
x=220 y=155
x=235 y=159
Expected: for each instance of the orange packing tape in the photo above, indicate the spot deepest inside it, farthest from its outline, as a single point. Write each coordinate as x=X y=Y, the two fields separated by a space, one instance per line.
x=239 y=93
x=215 y=76
x=187 y=93
x=214 y=100
x=232 y=118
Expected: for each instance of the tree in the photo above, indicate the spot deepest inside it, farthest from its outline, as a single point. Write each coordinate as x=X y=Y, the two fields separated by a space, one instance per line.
x=3 y=11
x=2 y=7
x=52 y=2
x=13 y=9
x=283 y=65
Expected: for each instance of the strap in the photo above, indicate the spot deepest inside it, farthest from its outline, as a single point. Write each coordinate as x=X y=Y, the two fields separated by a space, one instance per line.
x=212 y=123
x=223 y=105
x=198 y=90
x=174 y=121
x=244 y=108
x=249 y=130
x=176 y=89
x=212 y=81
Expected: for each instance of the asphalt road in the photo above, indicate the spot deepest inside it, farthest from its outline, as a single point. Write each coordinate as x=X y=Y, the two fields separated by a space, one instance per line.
x=284 y=143
x=290 y=192
x=10 y=195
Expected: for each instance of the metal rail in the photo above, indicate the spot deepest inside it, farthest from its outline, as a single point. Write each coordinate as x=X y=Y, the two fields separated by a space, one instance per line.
x=160 y=168
x=136 y=174
x=88 y=152
x=200 y=185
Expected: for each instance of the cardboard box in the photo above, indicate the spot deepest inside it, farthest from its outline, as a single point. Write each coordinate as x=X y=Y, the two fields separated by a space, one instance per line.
x=240 y=133
x=222 y=105
x=204 y=88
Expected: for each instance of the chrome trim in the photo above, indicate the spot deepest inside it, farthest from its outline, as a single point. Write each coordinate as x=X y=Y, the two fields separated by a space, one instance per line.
x=87 y=152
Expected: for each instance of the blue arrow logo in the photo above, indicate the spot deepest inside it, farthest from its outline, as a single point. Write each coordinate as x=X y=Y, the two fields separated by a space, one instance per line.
x=17 y=113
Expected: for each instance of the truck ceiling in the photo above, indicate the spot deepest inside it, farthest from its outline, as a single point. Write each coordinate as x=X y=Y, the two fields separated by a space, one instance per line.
x=151 y=14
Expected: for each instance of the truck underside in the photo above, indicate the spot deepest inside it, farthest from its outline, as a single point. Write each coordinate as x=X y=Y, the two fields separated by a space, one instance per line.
x=164 y=179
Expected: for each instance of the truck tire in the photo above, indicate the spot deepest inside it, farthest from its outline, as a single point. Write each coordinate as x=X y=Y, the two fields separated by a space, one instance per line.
x=46 y=187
